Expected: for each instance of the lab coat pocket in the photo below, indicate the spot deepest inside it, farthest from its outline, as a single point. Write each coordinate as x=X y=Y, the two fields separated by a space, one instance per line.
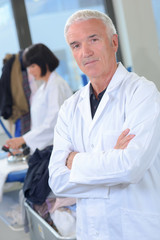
x=138 y=225
x=109 y=139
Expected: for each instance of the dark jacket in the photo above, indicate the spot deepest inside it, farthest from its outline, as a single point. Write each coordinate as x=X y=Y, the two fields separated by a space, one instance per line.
x=6 y=101
x=36 y=188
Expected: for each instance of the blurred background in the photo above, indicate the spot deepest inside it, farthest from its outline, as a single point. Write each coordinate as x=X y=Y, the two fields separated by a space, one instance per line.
x=23 y=22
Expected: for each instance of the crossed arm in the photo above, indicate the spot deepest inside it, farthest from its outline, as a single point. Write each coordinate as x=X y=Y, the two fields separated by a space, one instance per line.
x=122 y=143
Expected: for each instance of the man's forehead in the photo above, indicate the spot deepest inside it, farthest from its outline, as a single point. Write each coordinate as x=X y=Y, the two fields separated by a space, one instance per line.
x=92 y=23
x=80 y=30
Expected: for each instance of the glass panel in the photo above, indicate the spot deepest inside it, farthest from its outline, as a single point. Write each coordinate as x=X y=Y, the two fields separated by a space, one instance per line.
x=8 y=35
x=47 y=19
x=156 y=11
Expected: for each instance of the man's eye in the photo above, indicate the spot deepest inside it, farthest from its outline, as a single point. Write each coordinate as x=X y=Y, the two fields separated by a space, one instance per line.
x=94 y=39
x=75 y=46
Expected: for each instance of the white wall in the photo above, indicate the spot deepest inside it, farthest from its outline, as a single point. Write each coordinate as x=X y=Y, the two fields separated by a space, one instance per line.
x=142 y=37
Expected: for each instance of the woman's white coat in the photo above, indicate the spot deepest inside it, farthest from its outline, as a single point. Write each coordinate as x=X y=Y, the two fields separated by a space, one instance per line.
x=44 y=111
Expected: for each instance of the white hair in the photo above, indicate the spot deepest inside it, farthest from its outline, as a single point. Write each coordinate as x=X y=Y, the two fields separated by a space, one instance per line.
x=83 y=15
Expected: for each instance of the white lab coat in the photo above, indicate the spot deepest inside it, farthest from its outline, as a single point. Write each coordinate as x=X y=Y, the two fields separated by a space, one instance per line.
x=44 y=111
x=117 y=191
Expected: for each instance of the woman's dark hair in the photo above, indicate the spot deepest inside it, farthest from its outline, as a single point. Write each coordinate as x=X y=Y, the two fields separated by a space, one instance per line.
x=42 y=56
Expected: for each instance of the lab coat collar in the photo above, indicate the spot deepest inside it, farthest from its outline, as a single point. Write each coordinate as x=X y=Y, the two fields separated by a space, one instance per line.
x=46 y=85
x=117 y=78
x=115 y=81
x=84 y=104
x=51 y=77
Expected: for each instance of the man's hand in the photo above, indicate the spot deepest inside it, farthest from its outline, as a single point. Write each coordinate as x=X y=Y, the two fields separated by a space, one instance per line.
x=69 y=159
x=15 y=143
x=124 y=139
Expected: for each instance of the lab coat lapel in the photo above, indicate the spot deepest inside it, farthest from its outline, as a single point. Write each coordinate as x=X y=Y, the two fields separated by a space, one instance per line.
x=115 y=81
x=100 y=109
x=84 y=106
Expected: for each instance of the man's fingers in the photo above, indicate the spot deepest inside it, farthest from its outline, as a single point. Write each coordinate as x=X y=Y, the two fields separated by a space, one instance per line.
x=124 y=139
x=123 y=134
x=127 y=138
x=127 y=141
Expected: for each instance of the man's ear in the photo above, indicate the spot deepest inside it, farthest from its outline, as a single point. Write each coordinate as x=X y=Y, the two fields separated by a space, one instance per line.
x=115 y=42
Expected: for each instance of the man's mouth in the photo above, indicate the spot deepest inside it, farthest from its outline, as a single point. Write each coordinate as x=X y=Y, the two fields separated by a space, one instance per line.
x=87 y=62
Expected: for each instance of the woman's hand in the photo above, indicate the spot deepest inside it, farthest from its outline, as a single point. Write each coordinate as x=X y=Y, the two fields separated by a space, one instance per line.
x=15 y=143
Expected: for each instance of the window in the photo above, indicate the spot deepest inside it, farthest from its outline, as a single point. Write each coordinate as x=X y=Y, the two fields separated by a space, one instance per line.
x=47 y=19
x=156 y=11
x=8 y=40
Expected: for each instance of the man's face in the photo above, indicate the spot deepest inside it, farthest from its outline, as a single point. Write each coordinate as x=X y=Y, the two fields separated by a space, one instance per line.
x=92 y=49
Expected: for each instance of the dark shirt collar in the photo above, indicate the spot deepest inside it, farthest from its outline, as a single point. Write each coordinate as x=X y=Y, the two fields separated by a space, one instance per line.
x=94 y=102
x=92 y=92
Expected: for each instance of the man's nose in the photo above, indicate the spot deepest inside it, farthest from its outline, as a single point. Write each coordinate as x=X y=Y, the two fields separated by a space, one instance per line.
x=86 y=50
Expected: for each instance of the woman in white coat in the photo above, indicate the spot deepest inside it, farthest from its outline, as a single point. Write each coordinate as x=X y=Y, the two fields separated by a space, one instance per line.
x=116 y=180
x=41 y=63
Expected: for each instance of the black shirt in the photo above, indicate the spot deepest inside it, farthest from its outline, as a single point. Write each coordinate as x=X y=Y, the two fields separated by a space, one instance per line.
x=95 y=101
